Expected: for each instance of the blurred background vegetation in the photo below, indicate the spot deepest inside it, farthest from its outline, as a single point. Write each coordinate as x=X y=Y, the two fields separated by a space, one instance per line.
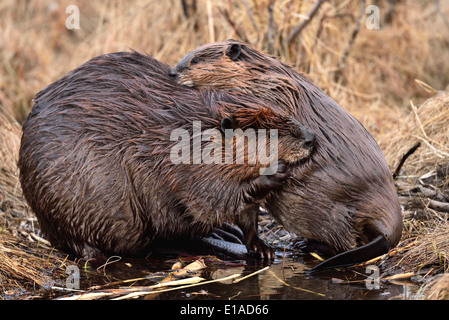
x=370 y=72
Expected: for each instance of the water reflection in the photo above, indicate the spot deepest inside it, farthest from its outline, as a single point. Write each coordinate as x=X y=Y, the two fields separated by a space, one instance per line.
x=285 y=279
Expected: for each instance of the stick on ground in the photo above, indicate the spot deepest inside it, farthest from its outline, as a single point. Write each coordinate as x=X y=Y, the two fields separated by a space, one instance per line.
x=404 y=157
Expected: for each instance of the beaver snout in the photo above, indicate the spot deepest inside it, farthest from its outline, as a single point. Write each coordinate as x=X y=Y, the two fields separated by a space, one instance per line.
x=307 y=136
x=173 y=74
x=375 y=239
x=388 y=226
x=301 y=142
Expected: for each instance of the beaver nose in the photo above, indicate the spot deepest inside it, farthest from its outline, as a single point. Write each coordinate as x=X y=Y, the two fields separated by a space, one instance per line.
x=385 y=220
x=306 y=135
x=372 y=249
x=173 y=73
x=309 y=138
x=377 y=237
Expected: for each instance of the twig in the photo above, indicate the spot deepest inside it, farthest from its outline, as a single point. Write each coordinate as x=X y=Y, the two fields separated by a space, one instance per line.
x=438 y=205
x=283 y=263
x=355 y=32
x=210 y=21
x=271 y=32
x=316 y=256
x=404 y=157
x=251 y=274
x=426 y=86
x=240 y=34
x=110 y=284
x=400 y=276
x=140 y=293
x=390 y=12
x=40 y=240
x=415 y=111
x=321 y=24
x=297 y=288
x=438 y=153
x=295 y=32
x=435 y=195
x=109 y=261
x=185 y=8
x=389 y=254
x=250 y=15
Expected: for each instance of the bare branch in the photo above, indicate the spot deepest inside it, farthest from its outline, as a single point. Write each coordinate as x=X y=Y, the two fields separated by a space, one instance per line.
x=189 y=9
x=404 y=157
x=210 y=21
x=240 y=34
x=356 y=30
x=295 y=32
x=271 y=32
x=250 y=15
x=437 y=205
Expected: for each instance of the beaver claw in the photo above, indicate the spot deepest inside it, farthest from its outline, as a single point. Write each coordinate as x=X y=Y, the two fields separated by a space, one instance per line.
x=260 y=249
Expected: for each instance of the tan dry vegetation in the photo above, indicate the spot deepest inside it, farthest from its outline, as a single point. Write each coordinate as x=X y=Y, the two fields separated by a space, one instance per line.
x=423 y=186
x=377 y=84
x=437 y=288
x=428 y=124
x=377 y=81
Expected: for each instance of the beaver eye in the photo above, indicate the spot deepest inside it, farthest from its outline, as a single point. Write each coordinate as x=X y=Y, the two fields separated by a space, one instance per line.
x=195 y=61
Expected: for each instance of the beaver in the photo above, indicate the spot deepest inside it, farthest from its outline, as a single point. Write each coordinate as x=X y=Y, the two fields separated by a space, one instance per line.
x=346 y=199
x=96 y=159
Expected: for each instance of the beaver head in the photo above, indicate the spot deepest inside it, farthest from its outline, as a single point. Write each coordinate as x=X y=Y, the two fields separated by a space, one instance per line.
x=292 y=142
x=347 y=197
x=233 y=65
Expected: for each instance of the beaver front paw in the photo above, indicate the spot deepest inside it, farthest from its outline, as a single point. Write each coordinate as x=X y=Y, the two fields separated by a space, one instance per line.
x=275 y=180
x=264 y=184
x=260 y=249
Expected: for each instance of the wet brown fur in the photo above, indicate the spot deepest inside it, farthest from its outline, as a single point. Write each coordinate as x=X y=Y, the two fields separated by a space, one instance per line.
x=346 y=195
x=95 y=158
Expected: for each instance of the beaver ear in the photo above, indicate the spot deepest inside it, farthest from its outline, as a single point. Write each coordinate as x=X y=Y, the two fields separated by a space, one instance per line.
x=233 y=51
x=226 y=123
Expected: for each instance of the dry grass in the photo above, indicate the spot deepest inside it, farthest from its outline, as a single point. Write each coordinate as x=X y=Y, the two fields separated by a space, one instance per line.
x=424 y=182
x=428 y=124
x=377 y=85
x=436 y=289
x=11 y=197
x=26 y=266
x=431 y=250
x=377 y=82
x=424 y=179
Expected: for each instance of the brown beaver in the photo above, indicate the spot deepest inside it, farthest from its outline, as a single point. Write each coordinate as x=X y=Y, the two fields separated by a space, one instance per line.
x=95 y=159
x=346 y=199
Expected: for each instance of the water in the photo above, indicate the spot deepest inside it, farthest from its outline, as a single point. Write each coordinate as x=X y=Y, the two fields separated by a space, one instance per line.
x=286 y=279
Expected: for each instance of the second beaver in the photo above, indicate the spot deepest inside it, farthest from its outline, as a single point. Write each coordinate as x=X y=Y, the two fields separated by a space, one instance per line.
x=98 y=169
x=347 y=199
